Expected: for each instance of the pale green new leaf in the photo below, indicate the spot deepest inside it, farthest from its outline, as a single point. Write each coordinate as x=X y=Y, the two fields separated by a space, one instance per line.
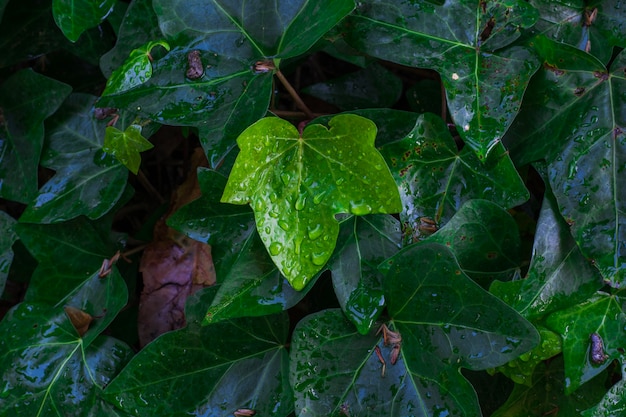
x=126 y=145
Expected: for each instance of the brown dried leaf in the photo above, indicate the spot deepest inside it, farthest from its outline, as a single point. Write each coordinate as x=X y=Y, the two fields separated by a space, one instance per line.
x=80 y=320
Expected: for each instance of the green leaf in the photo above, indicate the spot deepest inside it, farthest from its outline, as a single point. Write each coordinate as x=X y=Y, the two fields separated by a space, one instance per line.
x=559 y=275
x=297 y=184
x=126 y=145
x=7 y=238
x=574 y=119
x=75 y=16
x=50 y=370
x=373 y=86
x=363 y=243
x=613 y=404
x=485 y=240
x=87 y=181
x=248 y=282
x=466 y=42
x=212 y=370
x=435 y=179
x=546 y=395
x=601 y=315
x=26 y=100
x=136 y=70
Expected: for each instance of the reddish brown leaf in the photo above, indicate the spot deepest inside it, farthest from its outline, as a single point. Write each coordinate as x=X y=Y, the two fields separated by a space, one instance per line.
x=80 y=320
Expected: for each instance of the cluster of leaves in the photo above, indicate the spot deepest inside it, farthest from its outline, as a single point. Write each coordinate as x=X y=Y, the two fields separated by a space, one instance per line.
x=419 y=218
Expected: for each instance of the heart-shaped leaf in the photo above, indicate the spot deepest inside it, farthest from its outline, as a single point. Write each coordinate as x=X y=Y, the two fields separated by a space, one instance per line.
x=87 y=180
x=435 y=178
x=212 y=370
x=466 y=42
x=126 y=145
x=26 y=100
x=574 y=119
x=75 y=16
x=593 y=334
x=296 y=184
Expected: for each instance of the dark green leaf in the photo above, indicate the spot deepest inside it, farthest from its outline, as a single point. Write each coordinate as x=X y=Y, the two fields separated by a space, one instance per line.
x=601 y=315
x=75 y=16
x=574 y=119
x=212 y=370
x=363 y=243
x=425 y=96
x=7 y=238
x=546 y=395
x=613 y=404
x=297 y=184
x=126 y=146
x=435 y=179
x=465 y=42
x=485 y=241
x=49 y=370
x=371 y=87
x=559 y=276
x=26 y=100
x=87 y=180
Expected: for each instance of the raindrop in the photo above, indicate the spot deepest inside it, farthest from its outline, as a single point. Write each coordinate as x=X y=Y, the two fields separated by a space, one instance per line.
x=319 y=258
x=301 y=201
x=339 y=181
x=275 y=248
x=360 y=209
x=283 y=225
x=285 y=177
x=315 y=232
x=318 y=198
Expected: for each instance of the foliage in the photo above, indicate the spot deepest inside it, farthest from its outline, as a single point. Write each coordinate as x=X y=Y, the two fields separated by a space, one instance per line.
x=406 y=203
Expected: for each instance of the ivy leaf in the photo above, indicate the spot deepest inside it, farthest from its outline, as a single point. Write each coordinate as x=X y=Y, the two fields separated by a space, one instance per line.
x=466 y=42
x=614 y=401
x=297 y=184
x=75 y=16
x=7 y=238
x=558 y=276
x=435 y=179
x=546 y=395
x=363 y=243
x=87 y=181
x=136 y=70
x=212 y=370
x=248 y=282
x=583 y=119
x=26 y=100
x=601 y=315
x=126 y=145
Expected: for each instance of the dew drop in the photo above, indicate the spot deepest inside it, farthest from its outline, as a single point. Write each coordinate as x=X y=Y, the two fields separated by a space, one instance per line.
x=275 y=248
x=315 y=232
x=339 y=181
x=360 y=209
x=318 y=258
x=301 y=201
x=285 y=178
x=283 y=225
x=319 y=197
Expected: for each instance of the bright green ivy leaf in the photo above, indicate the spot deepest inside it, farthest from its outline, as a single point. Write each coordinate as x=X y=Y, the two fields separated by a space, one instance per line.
x=126 y=145
x=601 y=316
x=26 y=100
x=296 y=184
x=467 y=42
x=75 y=16
x=136 y=70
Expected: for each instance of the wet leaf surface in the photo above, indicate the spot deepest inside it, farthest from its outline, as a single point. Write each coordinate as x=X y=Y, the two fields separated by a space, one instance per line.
x=26 y=100
x=297 y=184
x=75 y=16
x=435 y=179
x=613 y=403
x=87 y=180
x=584 y=116
x=210 y=370
x=7 y=238
x=126 y=145
x=468 y=45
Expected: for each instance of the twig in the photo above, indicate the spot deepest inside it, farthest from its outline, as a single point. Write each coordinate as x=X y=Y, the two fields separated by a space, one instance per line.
x=294 y=95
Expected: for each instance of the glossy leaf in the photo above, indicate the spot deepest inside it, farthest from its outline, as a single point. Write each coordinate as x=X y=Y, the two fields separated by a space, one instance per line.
x=446 y=322
x=75 y=16
x=248 y=282
x=212 y=370
x=7 y=238
x=602 y=315
x=546 y=396
x=559 y=276
x=613 y=403
x=370 y=87
x=49 y=368
x=435 y=179
x=126 y=146
x=297 y=184
x=485 y=241
x=136 y=70
x=26 y=100
x=363 y=243
x=87 y=181
x=578 y=106
x=466 y=42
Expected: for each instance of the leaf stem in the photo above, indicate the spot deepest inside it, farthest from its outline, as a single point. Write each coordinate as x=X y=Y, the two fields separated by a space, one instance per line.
x=294 y=95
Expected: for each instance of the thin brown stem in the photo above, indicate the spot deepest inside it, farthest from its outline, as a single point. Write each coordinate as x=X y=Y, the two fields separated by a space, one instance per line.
x=294 y=95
